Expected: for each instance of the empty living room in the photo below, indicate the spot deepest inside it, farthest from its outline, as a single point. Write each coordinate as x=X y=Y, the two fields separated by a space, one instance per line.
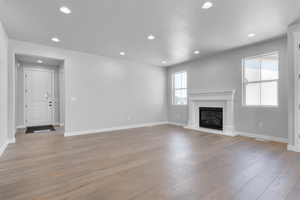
x=150 y=100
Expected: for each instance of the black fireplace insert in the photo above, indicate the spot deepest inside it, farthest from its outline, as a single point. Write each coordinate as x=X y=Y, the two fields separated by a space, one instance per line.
x=211 y=118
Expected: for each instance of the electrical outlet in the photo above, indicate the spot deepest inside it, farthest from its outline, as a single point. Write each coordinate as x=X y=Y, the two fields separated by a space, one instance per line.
x=128 y=117
x=260 y=124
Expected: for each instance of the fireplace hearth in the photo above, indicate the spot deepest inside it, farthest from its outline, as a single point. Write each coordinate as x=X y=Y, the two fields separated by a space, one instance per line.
x=211 y=117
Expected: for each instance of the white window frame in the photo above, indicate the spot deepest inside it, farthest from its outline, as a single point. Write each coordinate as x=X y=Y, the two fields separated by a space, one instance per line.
x=244 y=83
x=174 y=89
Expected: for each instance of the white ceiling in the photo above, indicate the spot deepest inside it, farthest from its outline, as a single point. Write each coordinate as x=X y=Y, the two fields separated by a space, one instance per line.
x=106 y=27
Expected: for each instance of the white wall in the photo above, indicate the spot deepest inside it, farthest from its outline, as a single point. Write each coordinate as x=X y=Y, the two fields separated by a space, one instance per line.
x=102 y=92
x=3 y=89
x=224 y=71
x=297 y=64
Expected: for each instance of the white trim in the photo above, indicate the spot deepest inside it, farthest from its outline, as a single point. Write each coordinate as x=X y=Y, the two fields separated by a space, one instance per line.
x=3 y=147
x=12 y=141
x=293 y=64
x=177 y=124
x=293 y=148
x=245 y=134
x=212 y=98
x=6 y=143
x=93 y=131
x=264 y=137
x=21 y=126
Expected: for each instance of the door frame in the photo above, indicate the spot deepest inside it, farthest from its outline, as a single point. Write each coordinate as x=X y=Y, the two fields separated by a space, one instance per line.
x=294 y=99
x=26 y=69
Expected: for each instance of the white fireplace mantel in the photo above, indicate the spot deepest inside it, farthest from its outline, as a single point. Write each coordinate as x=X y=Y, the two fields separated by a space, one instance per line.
x=212 y=98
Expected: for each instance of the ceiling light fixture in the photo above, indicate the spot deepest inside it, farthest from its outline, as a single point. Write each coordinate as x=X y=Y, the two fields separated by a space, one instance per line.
x=251 y=35
x=151 y=37
x=122 y=53
x=207 y=5
x=65 y=10
x=196 y=52
x=39 y=61
x=55 y=39
x=164 y=62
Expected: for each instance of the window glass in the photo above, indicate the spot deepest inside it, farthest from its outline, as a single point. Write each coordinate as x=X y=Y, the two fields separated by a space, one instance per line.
x=252 y=70
x=180 y=96
x=269 y=93
x=252 y=94
x=269 y=67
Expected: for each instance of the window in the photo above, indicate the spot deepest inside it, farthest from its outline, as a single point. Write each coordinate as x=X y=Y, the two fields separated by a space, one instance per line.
x=260 y=80
x=179 y=88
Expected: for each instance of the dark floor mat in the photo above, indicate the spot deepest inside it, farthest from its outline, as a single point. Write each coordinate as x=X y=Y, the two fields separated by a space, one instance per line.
x=34 y=129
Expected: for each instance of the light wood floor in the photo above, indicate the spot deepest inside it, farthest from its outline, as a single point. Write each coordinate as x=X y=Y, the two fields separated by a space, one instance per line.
x=155 y=163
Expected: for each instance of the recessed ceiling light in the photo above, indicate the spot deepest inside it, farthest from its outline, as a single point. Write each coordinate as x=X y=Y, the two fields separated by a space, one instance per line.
x=65 y=10
x=251 y=34
x=151 y=37
x=196 y=52
x=164 y=62
x=207 y=5
x=39 y=61
x=55 y=39
x=122 y=53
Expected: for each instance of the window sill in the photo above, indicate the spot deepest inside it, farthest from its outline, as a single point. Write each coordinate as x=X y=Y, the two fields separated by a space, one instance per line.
x=257 y=106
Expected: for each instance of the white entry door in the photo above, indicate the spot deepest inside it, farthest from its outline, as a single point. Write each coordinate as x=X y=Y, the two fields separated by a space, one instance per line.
x=39 y=97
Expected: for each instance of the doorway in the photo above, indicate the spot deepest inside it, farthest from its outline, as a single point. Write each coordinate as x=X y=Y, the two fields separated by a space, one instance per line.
x=39 y=92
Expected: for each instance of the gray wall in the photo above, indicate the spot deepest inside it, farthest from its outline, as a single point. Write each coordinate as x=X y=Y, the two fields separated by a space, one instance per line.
x=224 y=71
x=3 y=87
x=102 y=92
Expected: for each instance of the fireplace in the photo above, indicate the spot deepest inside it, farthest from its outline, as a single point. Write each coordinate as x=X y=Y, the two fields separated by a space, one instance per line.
x=210 y=117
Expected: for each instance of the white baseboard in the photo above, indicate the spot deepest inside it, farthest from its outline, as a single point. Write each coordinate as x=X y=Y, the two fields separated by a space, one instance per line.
x=6 y=143
x=93 y=131
x=176 y=124
x=58 y=124
x=236 y=133
x=12 y=141
x=293 y=148
x=3 y=147
x=21 y=126
x=264 y=137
